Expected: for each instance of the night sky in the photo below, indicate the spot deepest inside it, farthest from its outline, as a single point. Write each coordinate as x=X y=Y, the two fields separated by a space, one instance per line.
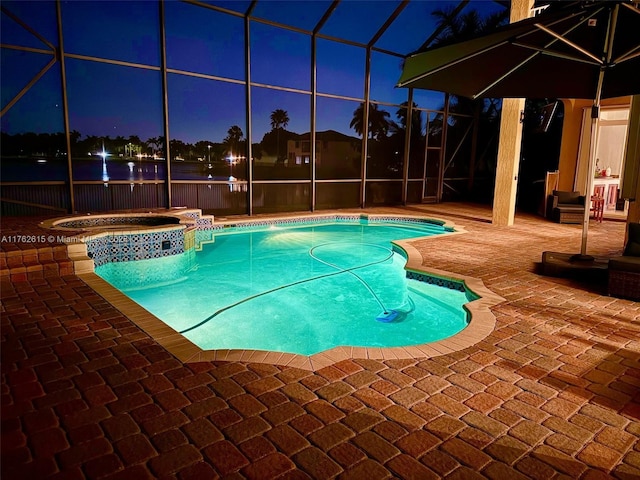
x=111 y=100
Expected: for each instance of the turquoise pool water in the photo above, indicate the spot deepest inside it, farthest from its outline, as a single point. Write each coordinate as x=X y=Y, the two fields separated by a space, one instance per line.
x=295 y=288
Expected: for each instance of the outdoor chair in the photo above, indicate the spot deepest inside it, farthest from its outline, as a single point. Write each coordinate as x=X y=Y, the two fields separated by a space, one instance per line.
x=566 y=207
x=624 y=271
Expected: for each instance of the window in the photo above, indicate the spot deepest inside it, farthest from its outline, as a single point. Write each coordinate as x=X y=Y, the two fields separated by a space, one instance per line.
x=279 y=119
x=214 y=41
x=116 y=111
x=280 y=57
x=207 y=124
x=128 y=31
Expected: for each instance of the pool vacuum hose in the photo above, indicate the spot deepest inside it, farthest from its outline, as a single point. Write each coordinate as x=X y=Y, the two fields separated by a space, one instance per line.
x=387 y=316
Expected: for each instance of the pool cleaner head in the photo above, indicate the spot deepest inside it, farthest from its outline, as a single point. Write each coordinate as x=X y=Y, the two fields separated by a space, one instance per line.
x=387 y=317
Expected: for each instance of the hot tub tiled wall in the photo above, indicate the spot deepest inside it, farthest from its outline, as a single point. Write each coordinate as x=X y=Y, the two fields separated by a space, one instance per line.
x=193 y=214
x=191 y=217
x=204 y=223
x=124 y=247
x=168 y=235
x=115 y=220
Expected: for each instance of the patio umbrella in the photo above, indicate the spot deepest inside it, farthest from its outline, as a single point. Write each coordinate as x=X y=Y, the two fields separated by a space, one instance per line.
x=588 y=50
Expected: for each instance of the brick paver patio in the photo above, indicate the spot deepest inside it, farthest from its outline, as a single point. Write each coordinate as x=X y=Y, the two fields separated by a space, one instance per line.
x=553 y=392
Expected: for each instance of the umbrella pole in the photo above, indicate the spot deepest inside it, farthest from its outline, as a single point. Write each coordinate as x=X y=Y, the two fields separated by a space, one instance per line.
x=595 y=112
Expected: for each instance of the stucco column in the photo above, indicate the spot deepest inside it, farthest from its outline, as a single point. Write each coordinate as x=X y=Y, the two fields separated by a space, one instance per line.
x=631 y=179
x=504 y=198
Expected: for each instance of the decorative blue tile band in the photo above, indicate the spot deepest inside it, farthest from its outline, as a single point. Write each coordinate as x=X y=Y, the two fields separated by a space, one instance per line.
x=365 y=219
x=442 y=282
x=204 y=223
x=124 y=247
x=290 y=221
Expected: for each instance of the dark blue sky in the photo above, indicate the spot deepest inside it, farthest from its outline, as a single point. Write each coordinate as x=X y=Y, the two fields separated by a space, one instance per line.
x=106 y=99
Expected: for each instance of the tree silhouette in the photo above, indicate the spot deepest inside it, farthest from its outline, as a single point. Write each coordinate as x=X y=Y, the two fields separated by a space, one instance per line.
x=178 y=148
x=378 y=123
x=156 y=142
x=454 y=27
x=93 y=143
x=234 y=137
x=416 y=118
x=74 y=136
x=279 y=120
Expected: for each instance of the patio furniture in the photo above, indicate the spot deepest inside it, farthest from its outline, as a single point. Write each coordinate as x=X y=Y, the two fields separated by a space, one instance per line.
x=597 y=207
x=566 y=207
x=624 y=271
x=560 y=264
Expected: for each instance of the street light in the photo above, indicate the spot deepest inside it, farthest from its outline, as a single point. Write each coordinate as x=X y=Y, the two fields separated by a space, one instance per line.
x=209 y=156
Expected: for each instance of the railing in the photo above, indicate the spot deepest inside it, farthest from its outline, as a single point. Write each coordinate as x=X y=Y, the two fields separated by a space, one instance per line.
x=34 y=198
x=222 y=197
x=95 y=196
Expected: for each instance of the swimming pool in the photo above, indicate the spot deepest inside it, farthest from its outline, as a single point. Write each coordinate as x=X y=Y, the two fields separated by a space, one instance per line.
x=297 y=288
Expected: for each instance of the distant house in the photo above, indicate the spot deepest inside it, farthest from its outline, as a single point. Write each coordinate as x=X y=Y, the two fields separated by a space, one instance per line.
x=333 y=150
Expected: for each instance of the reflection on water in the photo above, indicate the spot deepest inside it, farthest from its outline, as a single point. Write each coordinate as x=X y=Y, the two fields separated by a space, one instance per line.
x=220 y=171
x=31 y=169
x=118 y=169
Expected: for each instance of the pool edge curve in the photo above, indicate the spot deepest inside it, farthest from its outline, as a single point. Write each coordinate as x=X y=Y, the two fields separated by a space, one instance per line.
x=481 y=323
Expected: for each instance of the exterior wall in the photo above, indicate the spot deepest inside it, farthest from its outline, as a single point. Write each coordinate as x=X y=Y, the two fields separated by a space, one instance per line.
x=633 y=152
x=302 y=149
x=329 y=153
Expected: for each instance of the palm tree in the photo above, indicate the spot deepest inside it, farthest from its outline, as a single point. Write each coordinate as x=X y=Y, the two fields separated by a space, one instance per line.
x=453 y=27
x=416 y=118
x=155 y=141
x=74 y=136
x=279 y=120
x=234 y=137
x=378 y=123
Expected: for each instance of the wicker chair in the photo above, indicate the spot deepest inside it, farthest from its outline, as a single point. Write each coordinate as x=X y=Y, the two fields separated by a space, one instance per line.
x=624 y=271
x=566 y=207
